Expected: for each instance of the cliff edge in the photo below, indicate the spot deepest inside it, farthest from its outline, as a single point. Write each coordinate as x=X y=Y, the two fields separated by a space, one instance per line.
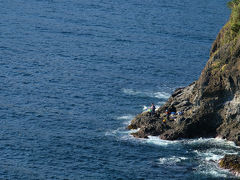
x=210 y=106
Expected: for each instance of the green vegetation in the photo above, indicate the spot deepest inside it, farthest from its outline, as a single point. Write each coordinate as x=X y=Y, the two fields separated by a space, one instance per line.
x=231 y=31
x=235 y=17
x=218 y=66
x=233 y=3
x=229 y=39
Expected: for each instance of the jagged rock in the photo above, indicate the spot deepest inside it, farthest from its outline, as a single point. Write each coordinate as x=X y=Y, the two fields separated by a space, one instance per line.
x=231 y=162
x=210 y=106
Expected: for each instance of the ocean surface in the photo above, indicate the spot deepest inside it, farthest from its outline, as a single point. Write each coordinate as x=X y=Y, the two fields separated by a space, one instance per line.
x=75 y=72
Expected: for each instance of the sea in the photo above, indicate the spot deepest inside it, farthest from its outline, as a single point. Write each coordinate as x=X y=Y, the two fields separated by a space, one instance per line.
x=74 y=73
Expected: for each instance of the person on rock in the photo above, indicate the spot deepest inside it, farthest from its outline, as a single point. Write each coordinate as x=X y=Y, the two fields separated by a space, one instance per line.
x=167 y=111
x=153 y=108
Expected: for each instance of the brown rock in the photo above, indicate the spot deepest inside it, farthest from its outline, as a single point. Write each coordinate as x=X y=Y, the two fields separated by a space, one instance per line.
x=231 y=162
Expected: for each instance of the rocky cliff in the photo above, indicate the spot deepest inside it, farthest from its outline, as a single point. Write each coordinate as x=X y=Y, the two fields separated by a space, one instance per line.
x=210 y=106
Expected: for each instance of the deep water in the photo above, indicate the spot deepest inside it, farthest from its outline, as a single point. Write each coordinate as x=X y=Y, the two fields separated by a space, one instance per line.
x=74 y=72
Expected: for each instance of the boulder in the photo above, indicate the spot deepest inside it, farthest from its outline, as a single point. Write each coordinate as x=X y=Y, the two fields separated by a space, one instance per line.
x=231 y=162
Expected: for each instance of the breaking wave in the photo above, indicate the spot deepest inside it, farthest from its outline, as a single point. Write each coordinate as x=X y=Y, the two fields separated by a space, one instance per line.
x=157 y=141
x=206 y=152
x=200 y=155
x=121 y=132
x=158 y=95
x=171 y=160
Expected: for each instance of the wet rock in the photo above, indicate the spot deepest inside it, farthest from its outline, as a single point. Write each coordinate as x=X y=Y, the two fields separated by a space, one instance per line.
x=231 y=162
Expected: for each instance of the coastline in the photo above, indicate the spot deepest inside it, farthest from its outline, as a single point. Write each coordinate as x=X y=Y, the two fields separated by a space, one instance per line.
x=210 y=105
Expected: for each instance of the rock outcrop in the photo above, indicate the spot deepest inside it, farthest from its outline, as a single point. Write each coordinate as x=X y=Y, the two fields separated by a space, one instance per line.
x=210 y=106
x=231 y=162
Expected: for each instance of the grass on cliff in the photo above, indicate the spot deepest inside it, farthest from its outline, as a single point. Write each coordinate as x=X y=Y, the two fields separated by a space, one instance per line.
x=232 y=28
x=229 y=37
x=235 y=18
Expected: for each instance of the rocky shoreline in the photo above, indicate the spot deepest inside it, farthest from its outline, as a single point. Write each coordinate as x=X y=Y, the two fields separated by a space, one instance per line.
x=231 y=162
x=210 y=106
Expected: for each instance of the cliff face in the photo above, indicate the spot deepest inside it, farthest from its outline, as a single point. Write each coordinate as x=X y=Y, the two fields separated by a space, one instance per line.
x=211 y=105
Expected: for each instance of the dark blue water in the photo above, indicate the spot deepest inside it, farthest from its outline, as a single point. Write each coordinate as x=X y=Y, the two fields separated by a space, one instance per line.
x=74 y=72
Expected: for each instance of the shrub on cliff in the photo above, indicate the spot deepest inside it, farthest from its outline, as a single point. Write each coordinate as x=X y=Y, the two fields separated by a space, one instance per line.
x=235 y=16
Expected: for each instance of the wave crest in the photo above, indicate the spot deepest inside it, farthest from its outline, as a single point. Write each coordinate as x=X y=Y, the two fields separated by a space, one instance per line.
x=158 y=95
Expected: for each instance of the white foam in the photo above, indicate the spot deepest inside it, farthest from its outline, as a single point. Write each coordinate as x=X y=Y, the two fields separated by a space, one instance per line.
x=211 y=141
x=159 y=95
x=157 y=141
x=226 y=142
x=171 y=160
x=126 y=117
x=131 y=131
x=209 y=157
x=213 y=171
x=111 y=132
x=213 y=154
x=121 y=133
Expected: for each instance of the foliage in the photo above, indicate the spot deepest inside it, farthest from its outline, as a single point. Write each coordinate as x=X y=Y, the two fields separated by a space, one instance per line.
x=235 y=16
x=233 y=3
x=218 y=66
x=223 y=67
